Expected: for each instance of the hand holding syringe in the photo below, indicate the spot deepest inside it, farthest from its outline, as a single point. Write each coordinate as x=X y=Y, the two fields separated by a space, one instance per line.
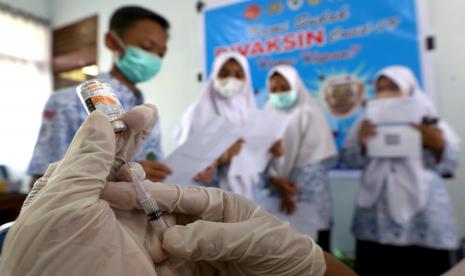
x=154 y=215
x=148 y=204
x=98 y=95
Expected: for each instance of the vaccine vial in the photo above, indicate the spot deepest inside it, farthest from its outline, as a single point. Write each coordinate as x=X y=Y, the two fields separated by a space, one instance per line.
x=98 y=95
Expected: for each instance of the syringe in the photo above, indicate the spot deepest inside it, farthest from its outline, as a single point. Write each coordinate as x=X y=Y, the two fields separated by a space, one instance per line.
x=155 y=217
x=148 y=203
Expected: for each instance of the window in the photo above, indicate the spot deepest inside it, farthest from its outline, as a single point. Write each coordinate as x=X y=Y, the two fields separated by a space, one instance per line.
x=25 y=84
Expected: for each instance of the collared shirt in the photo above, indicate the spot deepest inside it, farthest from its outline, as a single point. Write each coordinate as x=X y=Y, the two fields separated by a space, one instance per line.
x=64 y=114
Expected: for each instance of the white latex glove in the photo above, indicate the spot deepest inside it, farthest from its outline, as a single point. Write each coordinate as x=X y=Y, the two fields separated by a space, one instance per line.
x=457 y=270
x=227 y=234
x=66 y=228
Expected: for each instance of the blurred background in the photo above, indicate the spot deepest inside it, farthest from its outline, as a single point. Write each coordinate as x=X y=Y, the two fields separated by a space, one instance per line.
x=49 y=44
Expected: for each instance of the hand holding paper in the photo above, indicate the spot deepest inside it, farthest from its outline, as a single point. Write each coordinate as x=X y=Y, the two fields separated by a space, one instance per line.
x=392 y=135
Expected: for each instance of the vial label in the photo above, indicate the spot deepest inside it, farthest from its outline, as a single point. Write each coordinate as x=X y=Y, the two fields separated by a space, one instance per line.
x=99 y=96
x=90 y=105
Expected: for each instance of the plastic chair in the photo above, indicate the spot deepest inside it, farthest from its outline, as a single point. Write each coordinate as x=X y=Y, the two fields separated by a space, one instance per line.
x=3 y=230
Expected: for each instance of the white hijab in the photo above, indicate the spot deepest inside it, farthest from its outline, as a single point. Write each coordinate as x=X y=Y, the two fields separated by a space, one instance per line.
x=211 y=103
x=235 y=109
x=407 y=181
x=308 y=138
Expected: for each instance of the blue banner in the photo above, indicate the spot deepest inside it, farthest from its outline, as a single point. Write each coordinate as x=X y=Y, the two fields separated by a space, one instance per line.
x=336 y=45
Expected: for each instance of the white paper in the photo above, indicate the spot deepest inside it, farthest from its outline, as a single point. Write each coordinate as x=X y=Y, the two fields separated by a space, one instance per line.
x=395 y=141
x=404 y=109
x=201 y=150
x=260 y=132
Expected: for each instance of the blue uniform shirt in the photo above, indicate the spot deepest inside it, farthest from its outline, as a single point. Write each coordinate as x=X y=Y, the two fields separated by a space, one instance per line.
x=64 y=114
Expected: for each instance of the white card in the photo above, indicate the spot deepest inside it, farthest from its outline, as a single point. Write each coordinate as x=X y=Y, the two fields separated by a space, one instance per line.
x=405 y=109
x=201 y=150
x=395 y=141
x=260 y=132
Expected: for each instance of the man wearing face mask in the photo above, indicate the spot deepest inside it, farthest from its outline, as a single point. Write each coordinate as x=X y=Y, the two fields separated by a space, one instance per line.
x=138 y=38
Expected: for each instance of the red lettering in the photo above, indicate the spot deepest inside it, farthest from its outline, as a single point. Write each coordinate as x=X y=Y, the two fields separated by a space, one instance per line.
x=257 y=49
x=318 y=37
x=243 y=50
x=220 y=50
x=301 y=40
x=272 y=45
x=289 y=42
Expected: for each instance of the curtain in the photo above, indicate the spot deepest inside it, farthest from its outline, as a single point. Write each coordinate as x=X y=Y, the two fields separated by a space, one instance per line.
x=25 y=84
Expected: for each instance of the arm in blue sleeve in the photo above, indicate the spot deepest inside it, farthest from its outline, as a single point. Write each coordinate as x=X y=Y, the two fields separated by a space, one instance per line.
x=449 y=161
x=313 y=176
x=56 y=132
x=351 y=151
x=313 y=181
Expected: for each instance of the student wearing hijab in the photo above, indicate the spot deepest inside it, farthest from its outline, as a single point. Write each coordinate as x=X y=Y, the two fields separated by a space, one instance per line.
x=298 y=187
x=404 y=222
x=228 y=94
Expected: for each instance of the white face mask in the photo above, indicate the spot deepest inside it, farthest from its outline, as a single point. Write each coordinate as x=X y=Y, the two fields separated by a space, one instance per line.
x=228 y=87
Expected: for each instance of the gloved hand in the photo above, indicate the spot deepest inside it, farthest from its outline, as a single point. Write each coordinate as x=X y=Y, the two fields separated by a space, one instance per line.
x=226 y=234
x=67 y=229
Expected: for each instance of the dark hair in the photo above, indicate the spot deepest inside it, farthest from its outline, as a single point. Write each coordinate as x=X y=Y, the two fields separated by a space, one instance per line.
x=125 y=17
x=276 y=74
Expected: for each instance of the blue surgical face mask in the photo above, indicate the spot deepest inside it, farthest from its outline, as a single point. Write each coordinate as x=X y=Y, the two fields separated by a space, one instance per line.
x=283 y=100
x=137 y=65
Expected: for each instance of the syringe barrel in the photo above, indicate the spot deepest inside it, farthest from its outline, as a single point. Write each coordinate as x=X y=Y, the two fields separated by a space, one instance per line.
x=155 y=217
